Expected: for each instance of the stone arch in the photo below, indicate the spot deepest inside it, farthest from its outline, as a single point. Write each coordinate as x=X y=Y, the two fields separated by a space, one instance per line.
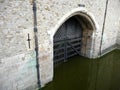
x=89 y=26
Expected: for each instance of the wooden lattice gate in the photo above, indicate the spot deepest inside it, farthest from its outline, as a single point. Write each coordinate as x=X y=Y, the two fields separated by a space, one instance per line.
x=67 y=40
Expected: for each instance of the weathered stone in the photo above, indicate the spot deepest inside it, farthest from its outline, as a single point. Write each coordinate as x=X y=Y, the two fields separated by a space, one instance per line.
x=18 y=62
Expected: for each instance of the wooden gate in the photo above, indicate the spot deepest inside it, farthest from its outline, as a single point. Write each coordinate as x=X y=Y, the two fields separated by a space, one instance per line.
x=67 y=40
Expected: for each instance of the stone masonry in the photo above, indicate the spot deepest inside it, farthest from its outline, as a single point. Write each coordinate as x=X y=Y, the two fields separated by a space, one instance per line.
x=18 y=61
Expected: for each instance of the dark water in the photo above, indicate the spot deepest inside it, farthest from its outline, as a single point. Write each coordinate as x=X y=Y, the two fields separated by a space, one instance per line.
x=81 y=73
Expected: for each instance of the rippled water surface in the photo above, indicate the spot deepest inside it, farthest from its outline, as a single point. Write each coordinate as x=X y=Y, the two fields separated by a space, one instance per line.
x=81 y=73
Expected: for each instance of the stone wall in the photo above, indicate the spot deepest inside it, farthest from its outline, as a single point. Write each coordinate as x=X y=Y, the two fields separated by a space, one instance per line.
x=111 y=24
x=17 y=61
x=50 y=13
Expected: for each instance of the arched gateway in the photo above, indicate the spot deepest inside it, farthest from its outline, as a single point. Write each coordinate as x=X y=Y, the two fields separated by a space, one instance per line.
x=74 y=35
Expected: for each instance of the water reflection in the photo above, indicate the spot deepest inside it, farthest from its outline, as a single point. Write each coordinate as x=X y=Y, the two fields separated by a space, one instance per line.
x=80 y=73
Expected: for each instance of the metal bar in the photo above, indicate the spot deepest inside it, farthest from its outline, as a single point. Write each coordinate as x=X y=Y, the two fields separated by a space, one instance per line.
x=36 y=42
x=72 y=55
x=67 y=39
x=75 y=39
x=73 y=48
x=58 y=60
x=62 y=53
x=29 y=40
x=105 y=14
x=76 y=44
x=57 y=49
x=59 y=42
x=58 y=45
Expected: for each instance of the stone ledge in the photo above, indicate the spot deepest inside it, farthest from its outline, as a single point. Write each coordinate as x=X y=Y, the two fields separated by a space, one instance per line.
x=107 y=50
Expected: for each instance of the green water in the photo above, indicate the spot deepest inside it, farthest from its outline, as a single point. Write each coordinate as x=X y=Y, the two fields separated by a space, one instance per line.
x=81 y=73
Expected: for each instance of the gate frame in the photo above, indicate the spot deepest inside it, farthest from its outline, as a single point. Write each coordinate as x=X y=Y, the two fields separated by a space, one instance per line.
x=82 y=12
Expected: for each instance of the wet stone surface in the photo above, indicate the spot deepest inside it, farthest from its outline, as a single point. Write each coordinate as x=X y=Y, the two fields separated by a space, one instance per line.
x=81 y=73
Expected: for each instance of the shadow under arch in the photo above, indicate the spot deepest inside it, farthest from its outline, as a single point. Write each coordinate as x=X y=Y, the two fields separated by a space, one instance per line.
x=89 y=27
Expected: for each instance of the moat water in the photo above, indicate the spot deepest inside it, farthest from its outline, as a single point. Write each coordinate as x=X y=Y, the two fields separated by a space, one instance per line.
x=81 y=73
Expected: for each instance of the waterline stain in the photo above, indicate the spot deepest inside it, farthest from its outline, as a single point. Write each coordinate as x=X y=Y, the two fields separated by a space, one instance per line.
x=81 y=73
